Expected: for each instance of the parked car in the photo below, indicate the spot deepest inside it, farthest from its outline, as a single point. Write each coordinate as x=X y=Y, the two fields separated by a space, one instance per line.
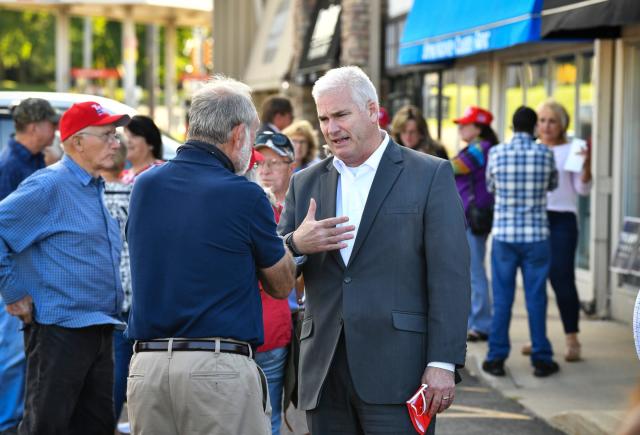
x=62 y=101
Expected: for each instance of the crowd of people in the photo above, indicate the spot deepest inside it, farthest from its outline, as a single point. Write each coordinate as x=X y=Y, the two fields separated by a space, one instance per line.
x=251 y=272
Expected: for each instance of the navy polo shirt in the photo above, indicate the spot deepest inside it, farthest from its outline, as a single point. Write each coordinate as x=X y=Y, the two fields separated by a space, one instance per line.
x=16 y=164
x=197 y=236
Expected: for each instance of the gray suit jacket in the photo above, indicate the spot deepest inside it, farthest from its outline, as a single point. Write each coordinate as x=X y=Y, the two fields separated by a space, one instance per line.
x=403 y=299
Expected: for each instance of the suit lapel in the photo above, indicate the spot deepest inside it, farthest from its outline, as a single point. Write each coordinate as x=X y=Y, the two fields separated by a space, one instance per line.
x=327 y=202
x=388 y=171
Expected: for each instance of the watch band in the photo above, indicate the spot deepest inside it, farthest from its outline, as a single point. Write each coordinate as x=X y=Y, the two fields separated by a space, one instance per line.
x=288 y=241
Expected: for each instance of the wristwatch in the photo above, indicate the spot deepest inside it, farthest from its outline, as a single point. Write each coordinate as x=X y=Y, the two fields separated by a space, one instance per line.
x=288 y=241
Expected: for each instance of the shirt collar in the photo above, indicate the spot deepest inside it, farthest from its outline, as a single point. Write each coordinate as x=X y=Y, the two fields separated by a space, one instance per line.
x=80 y=173
x=20 y=150
x=372 y=162
x=273 y=127
x=521 y=135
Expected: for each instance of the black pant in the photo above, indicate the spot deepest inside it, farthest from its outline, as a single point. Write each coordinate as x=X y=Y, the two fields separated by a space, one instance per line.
x=69 y=382
x=563 y=228
x=341 y=411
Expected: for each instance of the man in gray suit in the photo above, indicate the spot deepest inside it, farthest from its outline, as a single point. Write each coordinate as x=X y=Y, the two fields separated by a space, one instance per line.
x=386 y=274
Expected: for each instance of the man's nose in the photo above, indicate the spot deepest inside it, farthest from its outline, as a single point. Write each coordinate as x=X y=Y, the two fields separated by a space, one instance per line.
x=332 y=126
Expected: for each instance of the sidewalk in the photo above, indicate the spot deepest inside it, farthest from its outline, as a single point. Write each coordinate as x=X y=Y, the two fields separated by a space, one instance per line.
x=587 y=397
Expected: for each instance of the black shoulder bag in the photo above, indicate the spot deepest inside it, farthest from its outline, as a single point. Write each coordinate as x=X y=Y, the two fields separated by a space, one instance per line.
x=480 y=218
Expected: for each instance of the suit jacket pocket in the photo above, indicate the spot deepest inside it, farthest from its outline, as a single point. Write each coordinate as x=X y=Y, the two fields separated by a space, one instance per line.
x=307 y=328
x=408 y=209
x=413 y=322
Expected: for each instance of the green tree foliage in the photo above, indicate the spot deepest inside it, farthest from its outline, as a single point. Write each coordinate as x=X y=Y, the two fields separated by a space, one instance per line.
x=26 y=46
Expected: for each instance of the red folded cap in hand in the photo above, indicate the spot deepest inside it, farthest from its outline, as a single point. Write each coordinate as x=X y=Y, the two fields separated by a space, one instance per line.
x=417 y=406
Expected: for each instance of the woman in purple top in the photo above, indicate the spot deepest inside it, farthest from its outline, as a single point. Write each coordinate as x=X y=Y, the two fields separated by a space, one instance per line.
x=469 y=166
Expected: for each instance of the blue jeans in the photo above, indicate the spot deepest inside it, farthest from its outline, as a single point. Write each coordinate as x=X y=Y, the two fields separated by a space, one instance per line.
x=480 y=315
x=563 y=227
x=12 y=370
x=272 y=363
x=122 y=350
x=533 y=259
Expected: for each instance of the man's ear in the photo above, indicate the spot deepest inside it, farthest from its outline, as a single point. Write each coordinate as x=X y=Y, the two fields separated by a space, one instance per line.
x=237 y=136
x=74 y=143
x=373 y=111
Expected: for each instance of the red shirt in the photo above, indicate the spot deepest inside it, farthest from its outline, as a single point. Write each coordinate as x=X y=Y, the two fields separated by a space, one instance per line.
x=276 y=315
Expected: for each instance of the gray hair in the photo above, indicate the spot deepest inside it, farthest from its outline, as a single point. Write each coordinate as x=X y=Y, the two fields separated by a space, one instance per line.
x=347 y=77
x=218 y=107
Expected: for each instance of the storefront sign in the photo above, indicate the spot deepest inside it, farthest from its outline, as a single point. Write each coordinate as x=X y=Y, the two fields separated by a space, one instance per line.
x=455 y=47
x=626 y=259
x=437 y=31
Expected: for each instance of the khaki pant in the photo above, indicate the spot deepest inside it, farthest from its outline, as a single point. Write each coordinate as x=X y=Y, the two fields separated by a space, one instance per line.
x=193 y=392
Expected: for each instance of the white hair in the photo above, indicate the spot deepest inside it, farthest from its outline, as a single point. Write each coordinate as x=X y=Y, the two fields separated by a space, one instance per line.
x=347 y=77
x=218 y=107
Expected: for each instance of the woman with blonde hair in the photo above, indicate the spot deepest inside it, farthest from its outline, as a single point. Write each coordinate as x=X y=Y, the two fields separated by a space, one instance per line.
x=305 y=143
x=562 y=208
x=408 y=128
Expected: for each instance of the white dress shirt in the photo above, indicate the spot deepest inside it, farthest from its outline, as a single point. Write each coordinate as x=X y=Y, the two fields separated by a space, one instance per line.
x=354 y=184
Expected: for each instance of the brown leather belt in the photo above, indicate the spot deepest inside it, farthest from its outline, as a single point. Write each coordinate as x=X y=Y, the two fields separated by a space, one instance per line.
x=194 y=346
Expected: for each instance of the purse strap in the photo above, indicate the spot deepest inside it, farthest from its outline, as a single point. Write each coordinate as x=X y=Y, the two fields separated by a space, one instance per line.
x=472 y=196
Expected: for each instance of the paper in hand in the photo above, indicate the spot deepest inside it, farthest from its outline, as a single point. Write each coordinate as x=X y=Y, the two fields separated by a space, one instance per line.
x=575 y=159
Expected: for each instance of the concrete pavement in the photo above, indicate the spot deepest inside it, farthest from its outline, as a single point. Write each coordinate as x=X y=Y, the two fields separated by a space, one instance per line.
x=587 y=397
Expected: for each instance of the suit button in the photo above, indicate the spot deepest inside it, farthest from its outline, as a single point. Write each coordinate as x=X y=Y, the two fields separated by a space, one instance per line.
x=347 y=280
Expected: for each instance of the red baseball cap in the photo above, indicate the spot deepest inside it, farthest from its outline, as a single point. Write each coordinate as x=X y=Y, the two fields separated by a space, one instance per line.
x=256 y=157
x=383 y=118
x=476 y=115
x=87 y=114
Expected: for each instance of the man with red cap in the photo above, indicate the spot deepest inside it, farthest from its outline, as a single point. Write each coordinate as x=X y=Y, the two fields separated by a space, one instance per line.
x=59 y=257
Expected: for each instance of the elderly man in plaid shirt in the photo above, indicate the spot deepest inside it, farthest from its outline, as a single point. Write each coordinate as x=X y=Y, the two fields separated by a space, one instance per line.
x=520 y=173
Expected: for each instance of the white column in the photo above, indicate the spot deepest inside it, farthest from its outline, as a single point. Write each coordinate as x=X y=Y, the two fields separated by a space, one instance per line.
x=87 y=43
x=63 y=50
x=151 y=75
x=169 y=71
x=129 y=55
x=198 y=65
x=602 y=152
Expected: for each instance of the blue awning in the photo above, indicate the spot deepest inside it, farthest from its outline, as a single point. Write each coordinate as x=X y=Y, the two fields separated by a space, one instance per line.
x=438 y=30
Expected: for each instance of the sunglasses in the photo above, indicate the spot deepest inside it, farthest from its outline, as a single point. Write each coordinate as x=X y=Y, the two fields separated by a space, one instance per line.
x=278 y=139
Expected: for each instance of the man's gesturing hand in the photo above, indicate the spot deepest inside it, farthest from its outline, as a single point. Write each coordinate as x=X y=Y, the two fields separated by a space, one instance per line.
x=314 y=236
x=441 y=391
x=22 y=309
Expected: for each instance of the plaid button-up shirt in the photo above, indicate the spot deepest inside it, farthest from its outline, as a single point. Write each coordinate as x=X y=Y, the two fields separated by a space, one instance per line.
x=519 y=174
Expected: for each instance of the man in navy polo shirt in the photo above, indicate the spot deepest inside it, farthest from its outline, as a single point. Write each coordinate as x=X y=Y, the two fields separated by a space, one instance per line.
x=200 y=236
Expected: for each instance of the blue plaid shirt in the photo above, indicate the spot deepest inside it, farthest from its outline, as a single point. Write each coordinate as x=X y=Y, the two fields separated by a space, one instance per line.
x=59 y=244
x=16 y=164
x=519 y=174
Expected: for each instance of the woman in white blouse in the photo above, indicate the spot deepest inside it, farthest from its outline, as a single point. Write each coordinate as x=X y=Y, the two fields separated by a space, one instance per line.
x=553 y=121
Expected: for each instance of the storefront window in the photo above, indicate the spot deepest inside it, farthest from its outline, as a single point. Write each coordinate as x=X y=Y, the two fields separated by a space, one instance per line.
x=583 y=125
x=631 y=161
x=430 y=102
x=537 y=82
x=450 y=111
x=513 y=96
x=394 y=31
x=565 y=77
